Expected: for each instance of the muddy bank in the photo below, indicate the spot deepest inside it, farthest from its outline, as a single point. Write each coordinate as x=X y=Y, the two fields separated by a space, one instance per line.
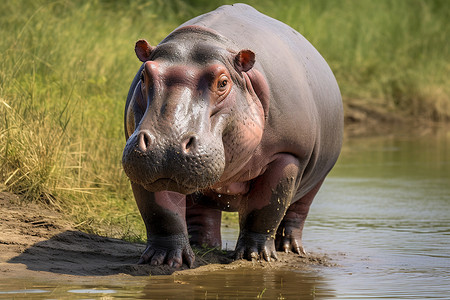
x=375 y=119
x=36 y=241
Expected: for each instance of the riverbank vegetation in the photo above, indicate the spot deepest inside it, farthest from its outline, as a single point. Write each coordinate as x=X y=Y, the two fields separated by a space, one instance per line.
x=66 y=67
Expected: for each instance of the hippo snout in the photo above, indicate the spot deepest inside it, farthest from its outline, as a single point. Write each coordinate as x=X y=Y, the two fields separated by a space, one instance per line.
x=188 y=144
x=185 y=164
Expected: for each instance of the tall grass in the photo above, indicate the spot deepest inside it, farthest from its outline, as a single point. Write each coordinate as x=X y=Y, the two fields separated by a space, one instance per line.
x=391 y=52
x=66 y=66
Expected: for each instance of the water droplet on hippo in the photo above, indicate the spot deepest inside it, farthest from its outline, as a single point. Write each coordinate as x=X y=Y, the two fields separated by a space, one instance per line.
x=219 y=195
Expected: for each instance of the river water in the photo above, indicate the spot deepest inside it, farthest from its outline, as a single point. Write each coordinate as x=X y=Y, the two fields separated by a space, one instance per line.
x=383 y=216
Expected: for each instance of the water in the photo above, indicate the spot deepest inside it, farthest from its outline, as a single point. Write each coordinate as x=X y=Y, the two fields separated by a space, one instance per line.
x=382 y=215
x=386 y=206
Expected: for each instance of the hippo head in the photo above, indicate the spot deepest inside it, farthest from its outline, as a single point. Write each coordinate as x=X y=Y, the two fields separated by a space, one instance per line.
x=193 y=119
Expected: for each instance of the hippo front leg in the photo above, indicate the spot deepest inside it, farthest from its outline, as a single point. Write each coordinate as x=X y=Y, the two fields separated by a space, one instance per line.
x=164 y=217
x=264 y=208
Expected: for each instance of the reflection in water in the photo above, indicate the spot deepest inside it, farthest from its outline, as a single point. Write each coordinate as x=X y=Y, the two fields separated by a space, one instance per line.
x=383 y=215
x=24 y=292
x=228 y=284
x=240 y=284
x=92 y=291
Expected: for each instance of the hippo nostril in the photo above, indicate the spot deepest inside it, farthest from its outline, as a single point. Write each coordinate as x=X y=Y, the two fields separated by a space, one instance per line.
x=189 y=144
x=144 y=141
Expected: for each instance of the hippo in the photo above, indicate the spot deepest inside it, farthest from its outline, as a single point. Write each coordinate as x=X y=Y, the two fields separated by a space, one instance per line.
x=232 y=111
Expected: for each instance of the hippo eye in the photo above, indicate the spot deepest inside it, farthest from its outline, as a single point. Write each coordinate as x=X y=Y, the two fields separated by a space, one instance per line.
x=142 y=76
x=222 y=83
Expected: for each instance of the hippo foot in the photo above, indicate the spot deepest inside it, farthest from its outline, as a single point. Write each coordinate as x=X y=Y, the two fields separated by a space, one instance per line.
x=172 y=250
x=251 y=245
x=290 y=242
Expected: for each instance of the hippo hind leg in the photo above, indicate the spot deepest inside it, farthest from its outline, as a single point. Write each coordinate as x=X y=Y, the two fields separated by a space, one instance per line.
x=203 y=224
x=289 y=233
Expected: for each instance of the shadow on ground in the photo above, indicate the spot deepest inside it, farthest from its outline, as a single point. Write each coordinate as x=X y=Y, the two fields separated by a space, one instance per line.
x=78 y=253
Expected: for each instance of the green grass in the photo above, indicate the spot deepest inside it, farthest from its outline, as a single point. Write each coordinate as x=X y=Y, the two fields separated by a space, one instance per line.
x=391 y=52
x=66 y=66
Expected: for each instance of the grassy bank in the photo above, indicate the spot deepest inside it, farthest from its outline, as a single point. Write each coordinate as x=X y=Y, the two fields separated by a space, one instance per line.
x=66 y=66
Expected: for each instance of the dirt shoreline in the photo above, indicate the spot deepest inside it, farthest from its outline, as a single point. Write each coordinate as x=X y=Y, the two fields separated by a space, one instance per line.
x=38 y=242
x=363 y=120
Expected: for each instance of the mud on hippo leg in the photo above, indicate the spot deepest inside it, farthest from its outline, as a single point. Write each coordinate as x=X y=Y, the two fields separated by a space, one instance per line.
x=264 y=208
x=289 y=233
x=203 y=223
x=164 y=217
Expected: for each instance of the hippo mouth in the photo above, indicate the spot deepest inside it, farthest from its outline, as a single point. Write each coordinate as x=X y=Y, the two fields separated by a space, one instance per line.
x=169 y=184
x=166 y=167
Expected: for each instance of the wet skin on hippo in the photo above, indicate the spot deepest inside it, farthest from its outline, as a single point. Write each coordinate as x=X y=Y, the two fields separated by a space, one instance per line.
x=232 y=111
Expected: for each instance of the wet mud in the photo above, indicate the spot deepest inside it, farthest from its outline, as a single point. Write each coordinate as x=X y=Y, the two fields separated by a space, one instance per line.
x=38 y=242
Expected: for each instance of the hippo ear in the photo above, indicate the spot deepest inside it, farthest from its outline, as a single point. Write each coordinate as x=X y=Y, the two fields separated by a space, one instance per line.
x=143 y=50
x=244 y=60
